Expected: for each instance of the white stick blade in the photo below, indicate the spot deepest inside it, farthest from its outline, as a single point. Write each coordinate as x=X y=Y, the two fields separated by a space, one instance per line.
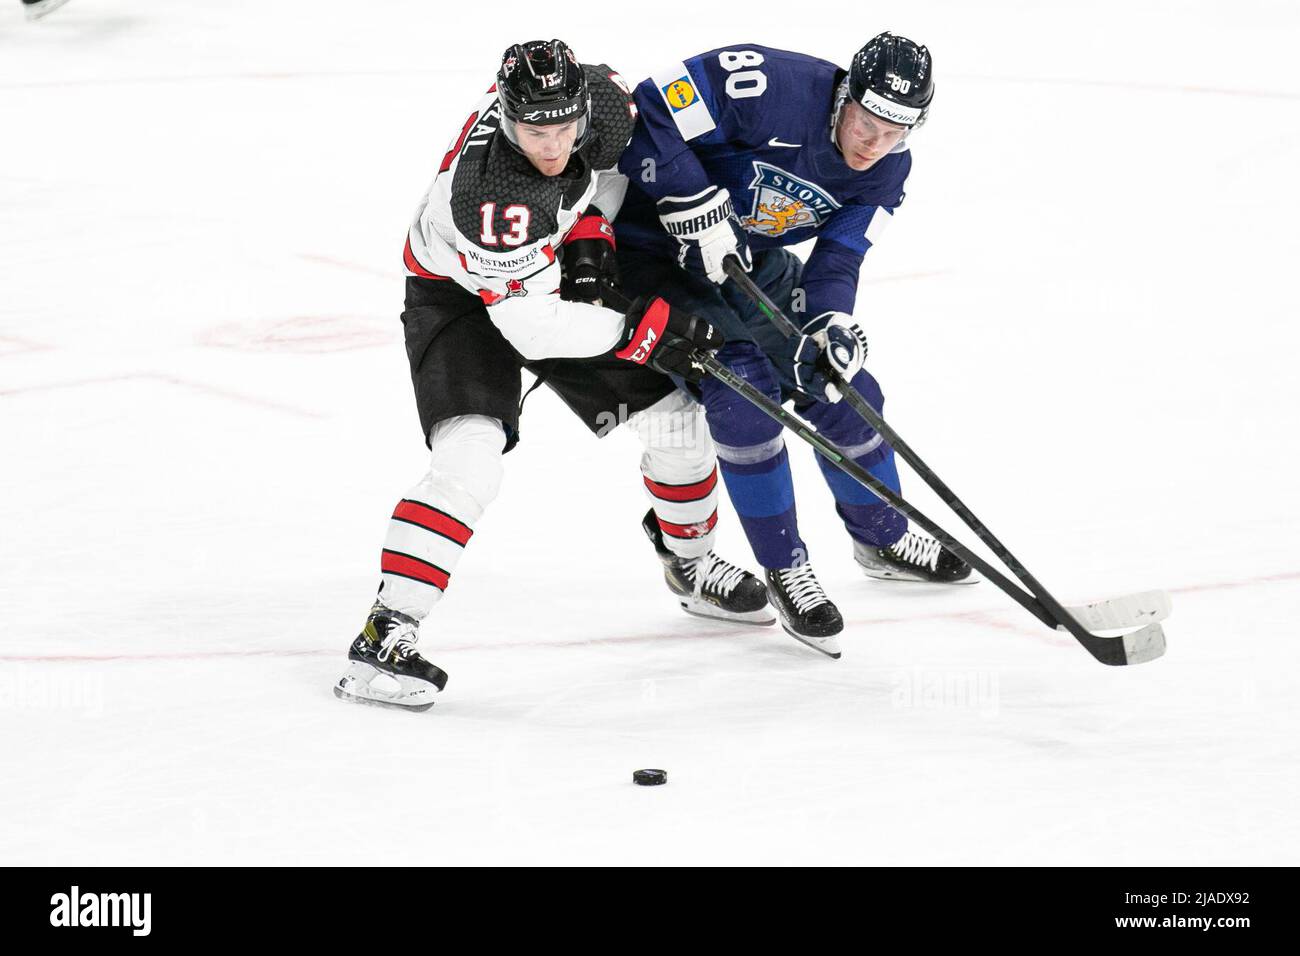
x=1144 y=645
x=1129 y=610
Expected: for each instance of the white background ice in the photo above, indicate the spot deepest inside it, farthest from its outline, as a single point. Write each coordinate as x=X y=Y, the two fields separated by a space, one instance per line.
x=1084 y=316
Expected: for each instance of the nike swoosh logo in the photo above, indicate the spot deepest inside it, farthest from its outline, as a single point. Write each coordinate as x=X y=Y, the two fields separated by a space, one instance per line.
x=776 y=142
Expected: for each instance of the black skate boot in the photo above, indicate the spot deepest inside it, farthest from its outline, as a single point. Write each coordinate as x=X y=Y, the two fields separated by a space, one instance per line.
x=913 y=557
x=384 y=667
x=807 y=614
x=709 y=586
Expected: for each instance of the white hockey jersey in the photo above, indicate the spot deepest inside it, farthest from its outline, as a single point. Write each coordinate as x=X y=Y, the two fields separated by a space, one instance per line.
x=495 y=225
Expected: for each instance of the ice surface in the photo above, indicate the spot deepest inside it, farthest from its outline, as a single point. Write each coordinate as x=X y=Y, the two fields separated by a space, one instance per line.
x=1084 y=316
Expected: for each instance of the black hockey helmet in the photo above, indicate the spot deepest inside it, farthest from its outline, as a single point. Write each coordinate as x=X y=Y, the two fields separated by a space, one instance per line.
x=892 y=77
x=541 y=83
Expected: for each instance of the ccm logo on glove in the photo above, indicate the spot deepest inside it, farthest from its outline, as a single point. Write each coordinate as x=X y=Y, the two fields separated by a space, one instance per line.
x=647 y=334
x=664 y=338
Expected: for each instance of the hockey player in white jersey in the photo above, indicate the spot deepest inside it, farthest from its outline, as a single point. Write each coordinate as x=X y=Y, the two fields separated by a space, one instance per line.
x=506 y=260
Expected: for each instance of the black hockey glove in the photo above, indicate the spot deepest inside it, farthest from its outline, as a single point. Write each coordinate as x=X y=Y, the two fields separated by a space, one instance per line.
x=589 y=263
x=656 y=334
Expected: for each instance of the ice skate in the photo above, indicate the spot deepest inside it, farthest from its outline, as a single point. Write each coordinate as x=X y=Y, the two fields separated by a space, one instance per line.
x=709 y=586
x=913 y=557
x=385 y=669
x=807 y=614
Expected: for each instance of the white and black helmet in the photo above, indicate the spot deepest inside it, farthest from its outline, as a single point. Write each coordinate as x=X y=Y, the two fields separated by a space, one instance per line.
x=541 y=83
x=892 y=77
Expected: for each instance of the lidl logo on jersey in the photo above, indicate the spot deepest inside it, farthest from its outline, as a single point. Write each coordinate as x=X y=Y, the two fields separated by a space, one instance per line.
x=686 y=99
x=679 y=94
x=783 y=202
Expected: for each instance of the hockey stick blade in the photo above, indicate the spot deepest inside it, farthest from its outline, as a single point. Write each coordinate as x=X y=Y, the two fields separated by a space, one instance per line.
x=1135 y=647
x=1129 y=610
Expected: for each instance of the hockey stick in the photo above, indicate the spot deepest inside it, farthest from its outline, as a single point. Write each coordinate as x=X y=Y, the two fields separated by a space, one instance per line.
x=1131 y=610
x=1136 y=647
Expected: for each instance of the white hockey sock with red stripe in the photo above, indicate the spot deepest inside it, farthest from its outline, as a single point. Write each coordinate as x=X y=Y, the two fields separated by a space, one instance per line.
x=433 y=523
x=680 y=471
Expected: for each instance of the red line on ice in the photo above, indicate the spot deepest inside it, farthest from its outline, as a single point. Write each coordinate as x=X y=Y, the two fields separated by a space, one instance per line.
x=167 y=380
x=21 y=346
x=986 y=617
x=350 y=266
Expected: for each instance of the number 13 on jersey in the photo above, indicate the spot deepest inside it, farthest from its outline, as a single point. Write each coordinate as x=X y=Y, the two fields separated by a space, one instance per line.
x=518 y=217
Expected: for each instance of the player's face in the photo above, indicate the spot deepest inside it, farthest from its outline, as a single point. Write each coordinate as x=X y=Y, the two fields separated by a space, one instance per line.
x=863 y=138
x=547 y=147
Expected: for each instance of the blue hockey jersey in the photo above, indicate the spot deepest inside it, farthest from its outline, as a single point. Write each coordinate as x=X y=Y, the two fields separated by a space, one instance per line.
x=757 y=121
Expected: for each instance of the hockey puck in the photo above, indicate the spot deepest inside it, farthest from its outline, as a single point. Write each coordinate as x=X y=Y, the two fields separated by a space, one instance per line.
x=649 y=778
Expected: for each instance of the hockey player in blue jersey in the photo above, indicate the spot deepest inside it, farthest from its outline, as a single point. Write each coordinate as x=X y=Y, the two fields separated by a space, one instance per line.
x=743 y=151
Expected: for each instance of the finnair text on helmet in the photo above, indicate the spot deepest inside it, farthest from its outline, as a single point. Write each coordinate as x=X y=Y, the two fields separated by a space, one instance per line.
x=903 y=115
x=102 y=909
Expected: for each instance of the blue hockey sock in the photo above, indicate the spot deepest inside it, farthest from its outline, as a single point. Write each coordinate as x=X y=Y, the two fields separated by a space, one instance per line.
x=865 y=516
x=753 y=460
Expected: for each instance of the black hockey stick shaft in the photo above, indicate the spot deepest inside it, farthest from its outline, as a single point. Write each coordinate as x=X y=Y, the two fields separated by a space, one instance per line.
x=737 y=274
x=1107 y=650
x=831 y=451
x=836 y=456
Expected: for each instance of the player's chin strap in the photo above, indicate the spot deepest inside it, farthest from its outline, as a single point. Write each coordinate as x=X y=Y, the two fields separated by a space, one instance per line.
x=1143 y=611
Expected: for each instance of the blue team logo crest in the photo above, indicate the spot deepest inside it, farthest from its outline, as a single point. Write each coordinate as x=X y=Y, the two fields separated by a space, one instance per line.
x=783 y=202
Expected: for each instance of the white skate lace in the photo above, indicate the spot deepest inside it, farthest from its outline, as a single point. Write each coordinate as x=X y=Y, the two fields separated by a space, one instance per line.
x=918 y=549
x=401 y=638
x=712 y=573
x=802 y=587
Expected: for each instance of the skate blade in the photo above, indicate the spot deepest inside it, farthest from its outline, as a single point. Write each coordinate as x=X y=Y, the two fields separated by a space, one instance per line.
x=341 y=694
x=880 y=574
x=764 y=616
x=357 y=685
x=830 y=646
